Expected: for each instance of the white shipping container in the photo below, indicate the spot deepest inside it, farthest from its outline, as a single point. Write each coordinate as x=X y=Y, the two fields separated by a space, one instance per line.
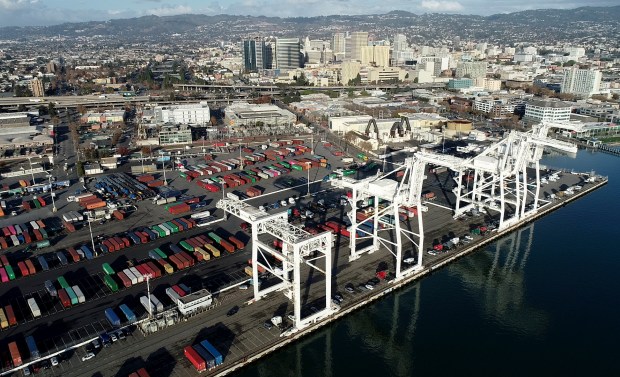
x=148 y=305
x=34 y=307
x=137 y=274
x=158 y=305
x=67 y=217
x=173 y=295
x=79 y=294
x=131 y=276
x=34 y=225
x=14 y=240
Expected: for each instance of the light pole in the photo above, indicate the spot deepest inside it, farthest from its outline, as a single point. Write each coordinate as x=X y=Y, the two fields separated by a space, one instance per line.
x=309 y=165
x=163 y=165
x=31 y=172
x=90 y=229
x=49 y=178
x=142 y=161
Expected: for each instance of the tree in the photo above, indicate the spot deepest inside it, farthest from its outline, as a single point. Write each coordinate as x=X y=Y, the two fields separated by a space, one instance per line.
x=22 y=91
x=213 y=121
x=570 y=63
x=79 y=167
x=615 y=96
x=123 y=151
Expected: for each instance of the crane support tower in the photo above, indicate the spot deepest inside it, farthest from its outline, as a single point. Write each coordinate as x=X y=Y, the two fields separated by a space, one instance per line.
x=298 y=248
x=496 y=179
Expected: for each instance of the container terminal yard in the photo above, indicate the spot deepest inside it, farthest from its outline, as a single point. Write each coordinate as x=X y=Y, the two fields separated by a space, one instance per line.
x=218 y=264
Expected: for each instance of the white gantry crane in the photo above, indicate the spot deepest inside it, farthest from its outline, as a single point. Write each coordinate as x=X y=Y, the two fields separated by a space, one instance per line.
x=298 y=247
x=497 y=176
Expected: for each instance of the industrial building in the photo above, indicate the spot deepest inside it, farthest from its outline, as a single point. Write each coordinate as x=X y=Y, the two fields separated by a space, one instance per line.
x=197 y=114
x=246 y=114
x=170 y=134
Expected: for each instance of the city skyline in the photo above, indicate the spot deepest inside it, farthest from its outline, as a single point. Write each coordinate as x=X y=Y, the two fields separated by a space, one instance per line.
x=51 y=12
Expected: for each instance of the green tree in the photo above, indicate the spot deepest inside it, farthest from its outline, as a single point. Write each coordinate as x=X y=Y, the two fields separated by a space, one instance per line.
x=570 y=63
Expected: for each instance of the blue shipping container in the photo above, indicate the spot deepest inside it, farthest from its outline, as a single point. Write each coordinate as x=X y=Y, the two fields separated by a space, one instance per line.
x=216 y=354
x=131 y=317
x=209 y=359
x=135 y=239
x=112 y=317
x=87 y=252
x=154 y=255
x=32 y=347
x=175 y=249
x=43 y=263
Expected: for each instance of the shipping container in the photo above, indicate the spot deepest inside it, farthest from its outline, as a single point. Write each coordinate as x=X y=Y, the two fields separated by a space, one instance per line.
x=9 y=272
x=10 y=315
x=171 y=293
x=15 y=355
x=22 y=268
x=62 y=282
x=108 y=269
x=147 y=304
x=4 y=322
x=143 y=373
x=112 y=317
x=137 y=274
x=194 y=358
x=72 y=296
x=159 y=307
x=124 y=279
x=64 y=298
x=31 y=269
x=186 y=246
x=34 y=307
x=207 y=357
x=213 y=250
x=32 y=348
x=216 y=354
x=79 y=294
x=129 y=314
x=227 y=246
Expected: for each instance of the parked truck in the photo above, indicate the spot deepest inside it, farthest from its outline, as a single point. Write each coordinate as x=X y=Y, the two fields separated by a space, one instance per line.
x=32 y=347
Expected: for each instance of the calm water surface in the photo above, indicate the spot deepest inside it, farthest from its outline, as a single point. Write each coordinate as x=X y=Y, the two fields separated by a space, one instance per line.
x=544 y=300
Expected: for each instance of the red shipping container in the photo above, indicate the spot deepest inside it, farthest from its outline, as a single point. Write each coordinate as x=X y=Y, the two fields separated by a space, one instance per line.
x=17 y=358
x=193 y=357
x=118 y=215
x=155 y=183
x=64 y=298
x=125 y=241
x=27 y=238
x=193 y=242
x=154 y=268
x=41 y=223
x=41 y=201
x=179 y=291
x=227 y=245
x=6 y=231
x=111 y=247
x=31 y=269
x=145 y=178
x=205 y=239
x=143 y=373
x=22 y=268
x=26 y=205
x=143 y=270
x=124 y=279
x=95 y=205
x=143 y=238
x=188 y=258
x=5 y=262
x=37 y=235
x=10 y=315
x=163 y=263
x=179 y=225
x=74 y=255
x=198 y=256
x=181 y=208
x=148 y=270
x=238 y=244
x=3 y=243
x=192 y=200
x=181 y=259
x=69 y=227
x=175 y=262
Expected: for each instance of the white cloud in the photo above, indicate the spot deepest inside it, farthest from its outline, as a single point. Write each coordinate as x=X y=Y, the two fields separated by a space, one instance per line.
x=169 y=10
x=16 y=4
x=441 y=6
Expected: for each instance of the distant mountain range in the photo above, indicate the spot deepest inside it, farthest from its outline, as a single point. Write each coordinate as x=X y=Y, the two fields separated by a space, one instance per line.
x=580 y=25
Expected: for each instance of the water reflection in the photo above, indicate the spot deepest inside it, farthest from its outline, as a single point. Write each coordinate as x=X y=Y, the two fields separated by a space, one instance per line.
x=496 y=276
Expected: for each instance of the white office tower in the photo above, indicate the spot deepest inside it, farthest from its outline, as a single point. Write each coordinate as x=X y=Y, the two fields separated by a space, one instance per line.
x=338 y=46
x=581 y=82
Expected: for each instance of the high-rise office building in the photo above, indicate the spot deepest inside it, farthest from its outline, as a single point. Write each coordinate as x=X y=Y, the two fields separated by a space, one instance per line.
x=354 y=44
x=400 y=43
x=338 y=46
x=378 y=56
x=288 y=53
x=253 y=51
x=581 y=82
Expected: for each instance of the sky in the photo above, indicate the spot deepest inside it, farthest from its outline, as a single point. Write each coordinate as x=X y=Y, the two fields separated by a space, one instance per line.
x=50 y=12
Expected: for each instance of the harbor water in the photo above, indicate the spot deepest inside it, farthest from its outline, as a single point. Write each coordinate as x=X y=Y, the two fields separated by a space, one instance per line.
x=541 y=301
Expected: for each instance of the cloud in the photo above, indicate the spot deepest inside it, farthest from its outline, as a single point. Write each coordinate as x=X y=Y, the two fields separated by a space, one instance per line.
x=16 y=4
x=169 y=10
x=441 y=6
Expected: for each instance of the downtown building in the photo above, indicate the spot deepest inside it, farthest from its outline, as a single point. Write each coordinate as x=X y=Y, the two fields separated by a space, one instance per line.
x=581 y=82
x=288 y=54
x=257 y=55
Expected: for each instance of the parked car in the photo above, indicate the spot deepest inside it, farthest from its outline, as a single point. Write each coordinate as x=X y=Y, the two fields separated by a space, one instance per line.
x=88 y=356
x=233 y=311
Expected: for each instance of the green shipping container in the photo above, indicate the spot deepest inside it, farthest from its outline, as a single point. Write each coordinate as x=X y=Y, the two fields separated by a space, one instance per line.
x=348 y=172
x=175 y=229
x=285 y=164
x=182 y=175
x=186 y=246
x=361 y=156
x=108 y=269
x=62 y=282
x=160 y=253
x=72 y=296
x=110 y=283
x=159 y=231
x=36 y=203
x=250 y=172
x=43 y=233
x=10 y=272
x=296 y=167
x=215 y=237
